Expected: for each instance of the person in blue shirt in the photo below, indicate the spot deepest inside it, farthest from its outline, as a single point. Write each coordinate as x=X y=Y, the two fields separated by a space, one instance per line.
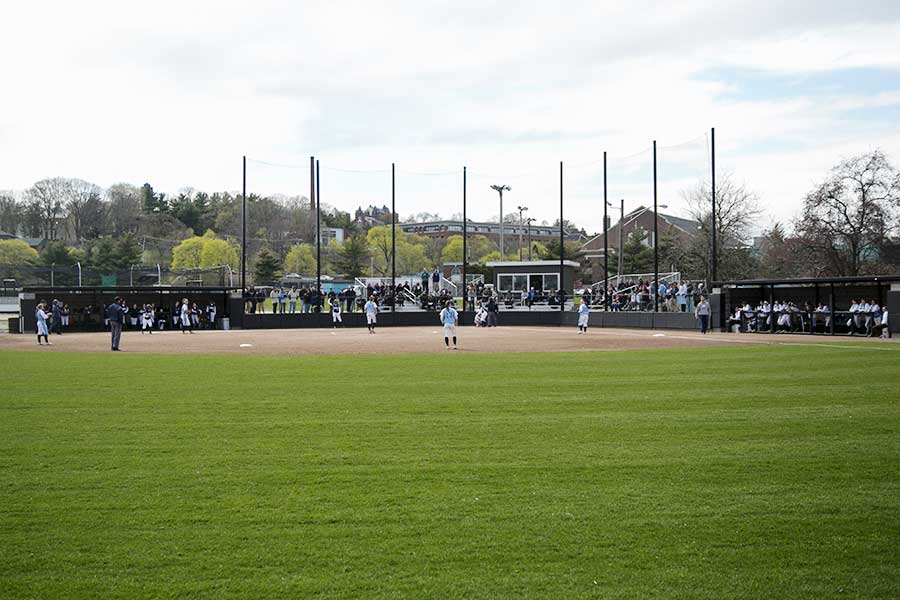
x=371 y=309
x=583 y=316
x=449 y=317
x=41 y=317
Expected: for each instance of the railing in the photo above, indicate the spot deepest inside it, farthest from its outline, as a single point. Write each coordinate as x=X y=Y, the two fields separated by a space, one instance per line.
x=446 y=284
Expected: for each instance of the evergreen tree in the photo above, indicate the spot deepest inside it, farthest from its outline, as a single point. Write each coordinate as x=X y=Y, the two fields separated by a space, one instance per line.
x=636 y=254
x=352 y=257
x=267 y=267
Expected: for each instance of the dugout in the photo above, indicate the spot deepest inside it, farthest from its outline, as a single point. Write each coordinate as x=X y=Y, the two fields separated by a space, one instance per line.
x=836 y=292
x=86 y=304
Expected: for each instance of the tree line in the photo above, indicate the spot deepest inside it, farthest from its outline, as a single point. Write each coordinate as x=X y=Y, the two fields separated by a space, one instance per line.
x=848 y=225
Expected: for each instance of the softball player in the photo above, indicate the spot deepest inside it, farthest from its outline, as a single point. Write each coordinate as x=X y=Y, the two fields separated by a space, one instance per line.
x=449 y=317
x=335 y=311
x=371 y=311
x=583 y=314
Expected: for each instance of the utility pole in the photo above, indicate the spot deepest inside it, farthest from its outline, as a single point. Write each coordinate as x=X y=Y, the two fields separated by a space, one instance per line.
x=244 y=232
x=521 y=209
x=529 y=221
x=500 y=189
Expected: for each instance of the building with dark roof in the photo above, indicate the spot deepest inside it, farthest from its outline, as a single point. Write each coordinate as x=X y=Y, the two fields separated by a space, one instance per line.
x=640 y=219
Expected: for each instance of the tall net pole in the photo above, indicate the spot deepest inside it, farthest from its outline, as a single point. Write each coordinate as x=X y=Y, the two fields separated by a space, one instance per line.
x=244 y=229
x=394 y=236
x=562 y=251
x=714 y=258
x=318 y=232
x=465 y=258
x=655 y=238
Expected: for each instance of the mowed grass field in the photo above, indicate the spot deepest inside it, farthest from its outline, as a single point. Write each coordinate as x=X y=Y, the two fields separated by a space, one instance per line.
x=734 y=472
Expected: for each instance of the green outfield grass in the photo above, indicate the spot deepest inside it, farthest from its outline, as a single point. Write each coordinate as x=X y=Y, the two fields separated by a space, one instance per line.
x=750 y=472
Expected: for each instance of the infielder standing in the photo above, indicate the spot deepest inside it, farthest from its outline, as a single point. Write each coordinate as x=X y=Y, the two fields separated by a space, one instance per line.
x=449 y=317
x=335 y=311
x=371 y=311
x=583 y=314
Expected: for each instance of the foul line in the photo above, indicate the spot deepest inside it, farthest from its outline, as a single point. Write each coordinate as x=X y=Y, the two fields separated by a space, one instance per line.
x=724 y=341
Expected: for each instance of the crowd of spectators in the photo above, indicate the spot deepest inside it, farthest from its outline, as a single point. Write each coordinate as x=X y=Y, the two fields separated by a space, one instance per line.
x=639 y=295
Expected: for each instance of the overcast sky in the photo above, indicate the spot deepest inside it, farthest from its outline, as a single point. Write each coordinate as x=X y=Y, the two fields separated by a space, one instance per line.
x=174 y=93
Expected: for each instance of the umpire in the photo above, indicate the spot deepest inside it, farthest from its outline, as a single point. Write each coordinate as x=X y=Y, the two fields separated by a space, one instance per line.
x=116 y=316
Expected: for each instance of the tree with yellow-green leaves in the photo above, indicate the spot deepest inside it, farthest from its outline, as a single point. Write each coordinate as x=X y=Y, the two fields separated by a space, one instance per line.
x=301 y=258
x=411 y=256
x=203 y=252
x=16 y=253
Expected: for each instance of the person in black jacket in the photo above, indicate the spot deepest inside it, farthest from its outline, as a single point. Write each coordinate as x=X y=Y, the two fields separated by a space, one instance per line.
x=115 y=314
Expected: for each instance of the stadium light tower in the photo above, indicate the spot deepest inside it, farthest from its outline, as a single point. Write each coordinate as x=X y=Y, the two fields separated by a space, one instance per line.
x=529 y=220
x=521 y=209
x=500 y=189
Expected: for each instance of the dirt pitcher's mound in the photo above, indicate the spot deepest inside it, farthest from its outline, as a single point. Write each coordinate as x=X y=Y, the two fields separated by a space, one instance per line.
x=400 y=340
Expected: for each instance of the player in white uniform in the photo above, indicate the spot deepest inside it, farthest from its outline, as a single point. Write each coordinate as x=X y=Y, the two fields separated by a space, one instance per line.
x=147 y=319
x=371 y=310
x=335 y=311
x=449 y=318
x=583 y=315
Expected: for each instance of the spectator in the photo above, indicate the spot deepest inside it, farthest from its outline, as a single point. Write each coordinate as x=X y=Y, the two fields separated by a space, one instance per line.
x=292 y=300
x=702 y=312
x=282 y=300
x=273 y=296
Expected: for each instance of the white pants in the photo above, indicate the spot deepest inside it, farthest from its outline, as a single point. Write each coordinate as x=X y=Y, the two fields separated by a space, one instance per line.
x=449 y=331
x=583 y=320
x=336 y=317
x=370 y=318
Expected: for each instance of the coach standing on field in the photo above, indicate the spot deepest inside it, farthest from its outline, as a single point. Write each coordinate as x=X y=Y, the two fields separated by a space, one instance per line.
x=115 y=314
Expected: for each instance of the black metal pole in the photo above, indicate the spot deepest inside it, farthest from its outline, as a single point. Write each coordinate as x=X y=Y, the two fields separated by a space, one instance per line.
x=244 y=231
x=605 y=242
x=655 y=239
x=465 y=260
x=318 y=234
x=715 y=258
x=562 y=248
x=393 y=237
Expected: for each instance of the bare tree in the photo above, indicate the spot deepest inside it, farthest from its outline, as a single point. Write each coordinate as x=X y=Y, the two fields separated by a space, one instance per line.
x=737 y=211
x=123 y=210
x=10 y=213
x=84 y=207
x=849 y=218
x=45 y=198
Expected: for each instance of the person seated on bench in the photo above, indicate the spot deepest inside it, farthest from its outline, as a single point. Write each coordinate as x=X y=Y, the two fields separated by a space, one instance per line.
x=882 y=328
x=736 y=322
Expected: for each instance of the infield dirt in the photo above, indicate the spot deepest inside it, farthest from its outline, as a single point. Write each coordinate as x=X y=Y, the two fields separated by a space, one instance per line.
x=415 y=340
